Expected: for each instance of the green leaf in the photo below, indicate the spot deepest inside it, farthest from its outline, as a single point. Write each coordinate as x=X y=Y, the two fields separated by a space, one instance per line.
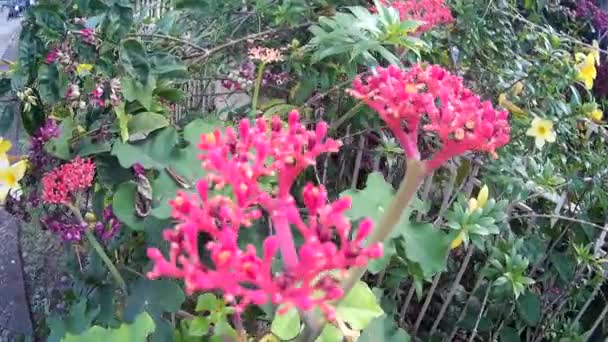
x=135 y=59
x=330 y=334
x=123 y=203
x=138 y=331
x=508 y=334
x=206 y=302
x=144 y=123
x=86 y=147
x=528 y=307
x=372 y=201
x=565 y=265
x=109 y=171
x=123 y=121
x=60 y=146
x=384 y=329
x=173 y=95
x=286 y=326
x=155 y=297
x=166 y=66
x=7 y=116
x=425 y=245
x=52 y=83
x=359 y=307
x=199 y=327
x=153 y=153
x=142 y=92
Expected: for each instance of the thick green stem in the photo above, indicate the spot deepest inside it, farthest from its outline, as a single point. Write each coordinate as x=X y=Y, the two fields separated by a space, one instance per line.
x=99 y=249
x=256 y=89
x=106 y=260
x=411 y=182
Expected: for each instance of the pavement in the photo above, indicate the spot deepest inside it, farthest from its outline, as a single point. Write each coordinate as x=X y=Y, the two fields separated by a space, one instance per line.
x=15 y=317
x=9 y=30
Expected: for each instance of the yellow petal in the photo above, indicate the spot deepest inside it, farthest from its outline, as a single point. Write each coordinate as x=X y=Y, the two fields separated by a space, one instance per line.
x=482 y=197
x=473 y=204
x=3 y=193
x=596 y=115
x=5 y=145
x=457 y=241
x=18 y=169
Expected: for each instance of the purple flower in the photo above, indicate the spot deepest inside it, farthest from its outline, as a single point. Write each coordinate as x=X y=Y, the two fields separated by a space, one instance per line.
x=38 y=158
x=109 y=226
x=66 y=228
x=138 y=169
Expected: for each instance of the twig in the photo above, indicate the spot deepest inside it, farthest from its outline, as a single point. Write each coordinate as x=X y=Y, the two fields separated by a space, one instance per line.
x=167 y=37
x=447 y=192
x=560 y=217
x=353 y=183
x=465 y=307
x=208 y=52
x=425 y=192
x=481 y=310
x=582 y=311
x=406 y=304
x=597 y=322
x=426 y=303
x=448 y=299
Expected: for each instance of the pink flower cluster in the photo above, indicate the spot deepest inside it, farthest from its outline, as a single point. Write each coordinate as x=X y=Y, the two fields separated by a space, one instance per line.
x=88 y=36
x=51 y=57
x=61 y=182
x=240 y=161
x=429 y=101
x=430 y=12
x=107 y=90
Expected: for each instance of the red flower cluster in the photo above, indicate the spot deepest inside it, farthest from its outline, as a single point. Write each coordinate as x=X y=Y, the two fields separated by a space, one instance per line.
x=242 y=162
x=430 y=12
x=51 y=57
x=61 y=182
x=428 y=100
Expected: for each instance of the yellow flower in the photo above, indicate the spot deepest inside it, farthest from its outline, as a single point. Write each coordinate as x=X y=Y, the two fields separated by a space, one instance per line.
x=481 y=200
x=596 y=115
x=542 y=131
x=586 y=69
x=10 y=175
x=5 y=146
x=84 y=67
x=458 y=240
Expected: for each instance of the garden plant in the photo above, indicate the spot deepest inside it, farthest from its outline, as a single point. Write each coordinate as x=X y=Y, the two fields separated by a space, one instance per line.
x=324 y=170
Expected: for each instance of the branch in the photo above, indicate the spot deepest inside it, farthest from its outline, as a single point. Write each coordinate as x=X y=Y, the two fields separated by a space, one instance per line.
x=167 y=37
x=208 y=52
x=560 y=217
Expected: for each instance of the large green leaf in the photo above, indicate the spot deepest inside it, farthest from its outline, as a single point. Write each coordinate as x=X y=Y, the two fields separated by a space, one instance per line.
x=143 y=124
x=286 y=326
x=52 y=83
x=384 y=329
x=156 y=152
x=330 y=334
x=153 y=296
x=135 y=59
x=359 y=307
x=528 y=307
x=142 y=92
x=123 y=203
x=60 y=146
x=138 y=331
x=423 y=243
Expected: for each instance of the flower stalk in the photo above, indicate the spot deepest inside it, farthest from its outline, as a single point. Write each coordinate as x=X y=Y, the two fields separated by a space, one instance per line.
x=99 y=249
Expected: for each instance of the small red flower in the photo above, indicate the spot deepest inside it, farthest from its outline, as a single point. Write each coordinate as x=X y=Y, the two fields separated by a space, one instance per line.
x=430 y=12
x=61 y=182
x=429 y=101
x=241 y=161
